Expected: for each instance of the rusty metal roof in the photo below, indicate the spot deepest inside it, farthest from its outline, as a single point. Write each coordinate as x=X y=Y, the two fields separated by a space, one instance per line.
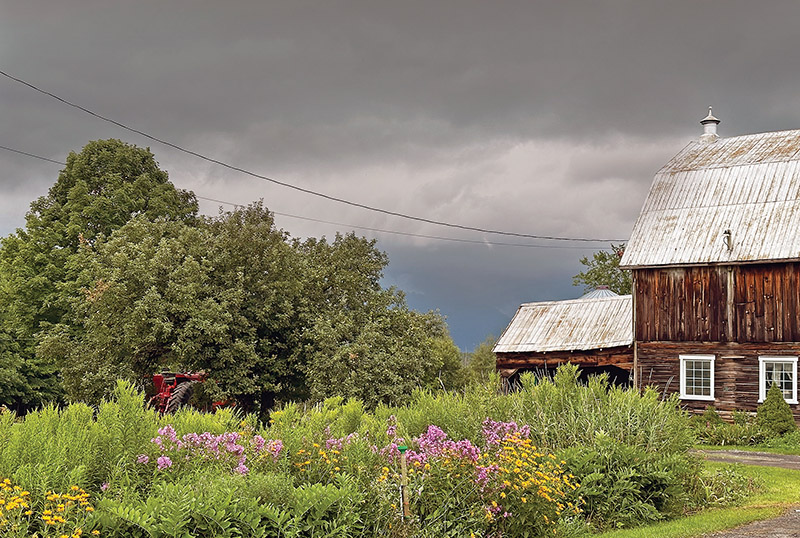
x=578 y=324
x=749 y=185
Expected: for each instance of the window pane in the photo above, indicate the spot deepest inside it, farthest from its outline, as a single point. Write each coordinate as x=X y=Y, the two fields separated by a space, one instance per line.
x=779 y=373
x=698 y=377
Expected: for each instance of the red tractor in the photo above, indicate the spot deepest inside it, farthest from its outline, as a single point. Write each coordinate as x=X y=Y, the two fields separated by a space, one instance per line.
x=174 y=390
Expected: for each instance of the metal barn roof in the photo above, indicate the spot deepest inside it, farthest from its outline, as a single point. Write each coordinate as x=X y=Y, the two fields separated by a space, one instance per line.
x=749 y=185
x=578 y=324
x=599 y=291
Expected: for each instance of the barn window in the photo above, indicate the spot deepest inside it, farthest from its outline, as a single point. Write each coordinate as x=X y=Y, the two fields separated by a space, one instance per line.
x=697 y=377
x=779 y=370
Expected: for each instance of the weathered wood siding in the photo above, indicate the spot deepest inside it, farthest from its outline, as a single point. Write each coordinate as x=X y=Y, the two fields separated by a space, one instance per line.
x=735 y=370
x=621 y=356
x=734 y=303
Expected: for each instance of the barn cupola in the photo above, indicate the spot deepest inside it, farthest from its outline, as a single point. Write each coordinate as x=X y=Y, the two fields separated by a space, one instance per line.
x=709 y=124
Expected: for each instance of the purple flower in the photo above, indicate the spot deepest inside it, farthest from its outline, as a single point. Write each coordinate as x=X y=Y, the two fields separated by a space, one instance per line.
x=143 y=458
x=495 y=433
x=164 y=462
x=169 y=432
x=104 y=486
x=274 y=447
x=257 y=442
x=391 y=429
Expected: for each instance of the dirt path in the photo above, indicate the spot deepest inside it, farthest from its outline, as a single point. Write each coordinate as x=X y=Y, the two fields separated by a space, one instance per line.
x=785 y=526
x=753 y=458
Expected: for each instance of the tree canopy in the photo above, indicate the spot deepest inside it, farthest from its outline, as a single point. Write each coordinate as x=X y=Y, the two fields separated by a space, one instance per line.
x=603 y=270
x=116 y=276
x=98 y=191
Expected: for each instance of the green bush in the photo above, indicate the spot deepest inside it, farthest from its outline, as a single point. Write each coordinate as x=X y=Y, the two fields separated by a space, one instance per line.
x=626 y=486
x=774 y=414
x=712 y=430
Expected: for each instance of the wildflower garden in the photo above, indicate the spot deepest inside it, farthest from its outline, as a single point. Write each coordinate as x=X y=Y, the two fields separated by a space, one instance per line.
x=555 y=459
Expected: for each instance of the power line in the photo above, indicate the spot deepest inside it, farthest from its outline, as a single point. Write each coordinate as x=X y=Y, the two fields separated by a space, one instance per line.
x=355 y=226
x=296 y=187
x=407 y=234
x=31 y=155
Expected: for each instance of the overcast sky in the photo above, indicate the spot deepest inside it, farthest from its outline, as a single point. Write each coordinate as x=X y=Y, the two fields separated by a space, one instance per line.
x=545 y=118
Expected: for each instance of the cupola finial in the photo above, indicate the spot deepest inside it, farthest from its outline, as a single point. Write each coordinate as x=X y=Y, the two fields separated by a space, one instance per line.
x=709 y=124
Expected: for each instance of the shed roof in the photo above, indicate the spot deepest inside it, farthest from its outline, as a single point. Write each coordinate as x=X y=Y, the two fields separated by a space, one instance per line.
x=577 y=324
x=749 y=185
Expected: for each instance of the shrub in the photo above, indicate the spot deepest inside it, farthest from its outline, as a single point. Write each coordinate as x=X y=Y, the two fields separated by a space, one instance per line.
x=774 y=414
x=626 y=486
x=745 y=429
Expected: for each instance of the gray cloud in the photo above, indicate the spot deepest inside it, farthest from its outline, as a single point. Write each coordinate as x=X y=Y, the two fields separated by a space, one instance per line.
x=541 y=117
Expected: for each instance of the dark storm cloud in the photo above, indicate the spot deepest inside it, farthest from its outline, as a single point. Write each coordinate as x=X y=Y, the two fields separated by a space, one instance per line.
x=540 y=117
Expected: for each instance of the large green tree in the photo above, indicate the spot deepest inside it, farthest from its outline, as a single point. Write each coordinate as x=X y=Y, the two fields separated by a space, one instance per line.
x=603 y=270
x=98 y=191
x=268 y=318
x=220 y=296
x=116 y=276
x=365 y=342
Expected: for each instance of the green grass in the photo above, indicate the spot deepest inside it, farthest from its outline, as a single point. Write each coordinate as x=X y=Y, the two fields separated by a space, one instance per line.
x=781 y=489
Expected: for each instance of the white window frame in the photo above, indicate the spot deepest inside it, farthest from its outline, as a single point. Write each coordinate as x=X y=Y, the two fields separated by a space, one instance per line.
x=762 y=376
x=683 y=359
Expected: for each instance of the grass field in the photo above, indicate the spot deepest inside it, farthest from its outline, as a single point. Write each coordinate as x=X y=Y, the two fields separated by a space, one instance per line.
x=781 y=489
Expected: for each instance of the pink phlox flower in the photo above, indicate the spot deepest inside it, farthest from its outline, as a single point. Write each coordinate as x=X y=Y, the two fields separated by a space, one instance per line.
x=164 y=462
x=391 y=452
x=257 y=442
x=169 y=432
x=274 y=447
x=104 y=486
x=143 y=458
x=391 y=429
x=334 y=443
x=495 y=432
x=484 y=473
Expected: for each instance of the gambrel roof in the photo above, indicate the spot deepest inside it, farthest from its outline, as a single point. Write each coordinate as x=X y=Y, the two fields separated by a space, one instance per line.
x=749 y=185
x=577 y=324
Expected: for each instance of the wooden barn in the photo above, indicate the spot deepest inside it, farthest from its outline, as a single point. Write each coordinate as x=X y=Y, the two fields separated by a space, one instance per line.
x=715 y=255
x=593 y=332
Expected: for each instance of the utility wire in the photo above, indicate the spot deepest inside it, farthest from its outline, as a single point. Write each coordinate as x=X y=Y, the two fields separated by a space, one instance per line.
x=31 y=155
x=355 y=226
x=407 y=234
x=296 y=187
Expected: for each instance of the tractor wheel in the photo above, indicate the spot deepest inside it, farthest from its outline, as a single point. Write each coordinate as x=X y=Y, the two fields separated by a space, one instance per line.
x=180 y=396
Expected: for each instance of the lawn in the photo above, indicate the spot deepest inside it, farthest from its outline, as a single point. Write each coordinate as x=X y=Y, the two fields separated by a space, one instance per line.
x=781 y=489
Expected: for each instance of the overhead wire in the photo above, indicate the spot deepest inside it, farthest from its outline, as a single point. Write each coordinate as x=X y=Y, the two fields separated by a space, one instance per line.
x=406 y=234
x=345 y=225
x=297 y=187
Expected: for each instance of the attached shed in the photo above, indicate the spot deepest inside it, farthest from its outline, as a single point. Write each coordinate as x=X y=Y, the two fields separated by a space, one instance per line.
x=593 y=332
x=715 y=256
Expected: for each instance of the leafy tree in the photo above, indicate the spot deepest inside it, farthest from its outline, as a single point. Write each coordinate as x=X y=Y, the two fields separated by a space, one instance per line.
x=603 y=270
x=266 y=317
x=365 y=342
x=774 y=414
x=220 y=296
x=482 y=362
x=97 y=192
x=382 y=361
